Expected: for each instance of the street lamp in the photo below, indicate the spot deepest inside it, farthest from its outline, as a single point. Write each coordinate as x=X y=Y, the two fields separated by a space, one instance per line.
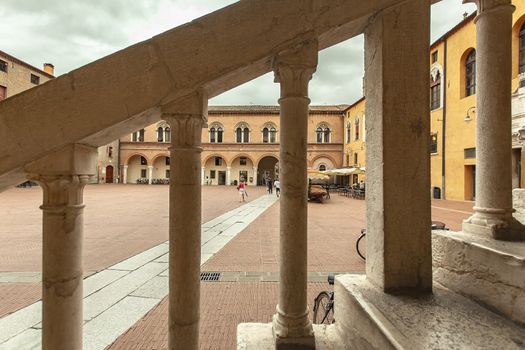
x=469 y=111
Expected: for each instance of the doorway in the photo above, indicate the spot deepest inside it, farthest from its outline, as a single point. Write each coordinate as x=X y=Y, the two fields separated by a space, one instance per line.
x=470 y=182
x=265 y=169
x=222 y=178
x=109 y=174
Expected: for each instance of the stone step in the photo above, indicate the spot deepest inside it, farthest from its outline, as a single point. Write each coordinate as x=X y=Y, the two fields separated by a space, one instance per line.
x=488 y=271
x=367 y=318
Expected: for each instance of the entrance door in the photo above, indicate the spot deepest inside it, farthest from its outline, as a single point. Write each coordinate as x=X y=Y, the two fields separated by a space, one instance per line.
x=222 y=178
x=109 y=174
x=470 y=182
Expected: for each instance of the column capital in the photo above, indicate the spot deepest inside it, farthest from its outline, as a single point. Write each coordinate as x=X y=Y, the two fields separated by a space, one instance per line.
x=74 y=159
x=293 y=68
x=187 y=117
x=491 y=5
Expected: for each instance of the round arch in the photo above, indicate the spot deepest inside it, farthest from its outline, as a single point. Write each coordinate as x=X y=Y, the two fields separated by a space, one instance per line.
x=266 y=168
x=325 y=159
x=213 y=155
x=242 y=166
x=135 y=169
x=167 y=155
x=126 y=162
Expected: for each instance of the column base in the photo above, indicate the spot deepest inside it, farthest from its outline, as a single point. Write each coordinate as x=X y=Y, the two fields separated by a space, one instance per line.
x=292 y=332
x=495 y=223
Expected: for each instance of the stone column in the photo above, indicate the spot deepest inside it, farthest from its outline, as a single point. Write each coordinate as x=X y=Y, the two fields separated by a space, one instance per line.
x=62 y=177
x=293 y=70
x=125 y=174
x=150 y=174
x=398 y=148
x=254 y=175
x=493 y=208
x=228 y=175
x=186 y=119
x=203 y=175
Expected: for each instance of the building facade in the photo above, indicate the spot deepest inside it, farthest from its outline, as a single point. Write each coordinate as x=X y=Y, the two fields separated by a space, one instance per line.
x=453 y=111
x=17 y=76
x=239 y=142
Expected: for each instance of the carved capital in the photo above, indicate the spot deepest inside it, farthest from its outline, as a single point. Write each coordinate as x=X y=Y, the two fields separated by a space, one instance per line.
x=185 y=130
x=491 y=5
x=61 y=191
x=294 y=68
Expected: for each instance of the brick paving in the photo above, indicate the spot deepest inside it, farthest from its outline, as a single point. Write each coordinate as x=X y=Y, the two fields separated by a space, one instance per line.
x=17 y=295
x=223 y=306
x=333 y=228
x=120 y=221
x=125 y=220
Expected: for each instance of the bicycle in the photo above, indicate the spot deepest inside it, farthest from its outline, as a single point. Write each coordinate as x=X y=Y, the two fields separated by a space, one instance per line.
x=324 y=305
x=436 y=225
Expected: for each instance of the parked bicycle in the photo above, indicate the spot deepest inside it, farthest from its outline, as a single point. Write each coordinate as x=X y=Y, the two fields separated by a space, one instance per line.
x=436 y=225
x=324 y=305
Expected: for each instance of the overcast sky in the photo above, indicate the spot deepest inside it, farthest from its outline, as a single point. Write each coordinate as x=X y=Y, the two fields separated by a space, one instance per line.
x=72 y=33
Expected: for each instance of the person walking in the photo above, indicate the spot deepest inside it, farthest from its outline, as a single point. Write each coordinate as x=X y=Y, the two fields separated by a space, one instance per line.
x=242 y=190
x=277 y=185
x=269 y=184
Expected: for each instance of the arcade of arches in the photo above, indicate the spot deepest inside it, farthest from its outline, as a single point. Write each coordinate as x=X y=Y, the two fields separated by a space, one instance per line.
x=240 y=141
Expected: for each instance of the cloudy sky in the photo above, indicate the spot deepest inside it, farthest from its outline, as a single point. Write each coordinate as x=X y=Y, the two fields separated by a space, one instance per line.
x=72 y=33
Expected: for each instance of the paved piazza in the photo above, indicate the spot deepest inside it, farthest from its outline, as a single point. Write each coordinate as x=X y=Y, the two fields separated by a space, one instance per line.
x=126 y=228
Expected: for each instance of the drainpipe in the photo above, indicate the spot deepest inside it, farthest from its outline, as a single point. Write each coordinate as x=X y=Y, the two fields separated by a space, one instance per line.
x=444 y=128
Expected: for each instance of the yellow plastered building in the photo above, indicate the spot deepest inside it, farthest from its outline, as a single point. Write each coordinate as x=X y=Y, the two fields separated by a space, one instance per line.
x=453 y=110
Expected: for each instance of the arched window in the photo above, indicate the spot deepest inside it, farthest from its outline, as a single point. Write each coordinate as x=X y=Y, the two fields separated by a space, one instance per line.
x=266 y=135
x=273 y=134
x=167 y=134
x=219 y=135
x=522 y=50
x=319 y=133
x=242 y=133
x=327 y=135
x=348 y=132
x=322 y=167
x=138 y=136
x=212 y=135
x=356 y=126
x=435 y=89
x=160 y=134
x=239 y=135
x=470 y=74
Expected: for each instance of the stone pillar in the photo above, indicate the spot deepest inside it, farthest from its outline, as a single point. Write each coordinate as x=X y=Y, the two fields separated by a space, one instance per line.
x=493 y=209
x=228 y=175
x=203 y=175
x=254 y=175
x=186 y=119
x=397 y=158
x=62 y=177
x=125 y=174
x=150 y=174
x=293 y=70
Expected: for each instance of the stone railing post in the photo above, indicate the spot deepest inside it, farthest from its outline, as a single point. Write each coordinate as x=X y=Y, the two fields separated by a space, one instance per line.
x=62 y=177
x=493 y=208
x=293 y=70
x=399 y=256
x=186 y=119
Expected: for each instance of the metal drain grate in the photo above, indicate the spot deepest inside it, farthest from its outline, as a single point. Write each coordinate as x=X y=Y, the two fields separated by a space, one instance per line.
x=210 y=276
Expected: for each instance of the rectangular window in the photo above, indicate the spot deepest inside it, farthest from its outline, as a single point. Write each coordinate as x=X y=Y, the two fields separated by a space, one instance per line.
x=167 y=173
x=35 y=79
x=470 y=153
x=433 y=143
x=143 y=161
x=110 y=152
x=218 y=161
x=143 y=173
x=435 y=96
x=434 y=56
x=3 y=66
x=168 y=160
x=243 y=161
x=212 y=174
x=243 y=175
x=3 y=93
